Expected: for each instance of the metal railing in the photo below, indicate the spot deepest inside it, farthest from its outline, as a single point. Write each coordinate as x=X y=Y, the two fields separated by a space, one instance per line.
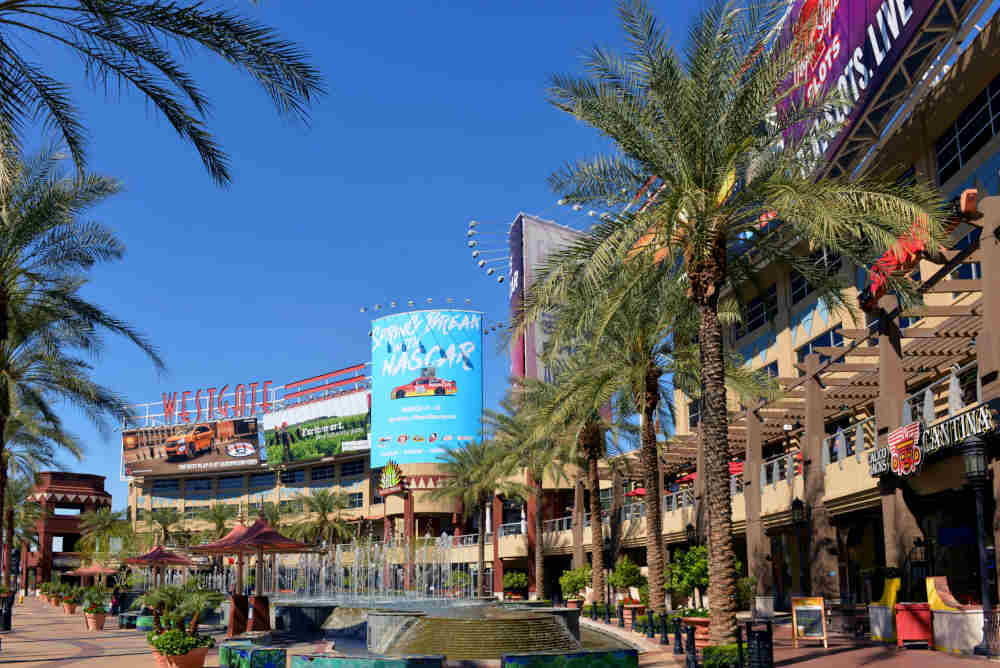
x=634 y=511
x=781 y=467
x=467 y=540
x=512 y=529
x=682 y=498
x=854 y=440
x=558 y=524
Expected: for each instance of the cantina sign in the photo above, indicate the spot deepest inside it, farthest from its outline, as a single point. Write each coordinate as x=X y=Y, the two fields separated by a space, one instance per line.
x=910 y=445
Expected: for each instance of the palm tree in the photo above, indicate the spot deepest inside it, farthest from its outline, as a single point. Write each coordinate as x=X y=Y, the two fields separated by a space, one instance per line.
x=22 y=529
x=98 y=527
x=219 y=515
x=164 y=518
x=47 y=329
x=323 y=522
x=473 y=475
x=512 y=430
x=699 y=135
x=126 y=45
x=271 y=512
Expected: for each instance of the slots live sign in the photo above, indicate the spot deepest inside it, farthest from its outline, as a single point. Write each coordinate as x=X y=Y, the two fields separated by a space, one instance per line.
x=911 y=444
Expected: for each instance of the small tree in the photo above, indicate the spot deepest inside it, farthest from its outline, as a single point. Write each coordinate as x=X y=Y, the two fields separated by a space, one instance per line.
x=515 y=581
x=625 y=576
x=689 y=572
x=574 y=581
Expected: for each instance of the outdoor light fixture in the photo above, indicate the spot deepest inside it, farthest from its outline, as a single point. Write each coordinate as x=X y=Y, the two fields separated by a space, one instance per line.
x=974 y=456
x=786 y=427
x=798 y=512
x=692 y=534
x=976 y=473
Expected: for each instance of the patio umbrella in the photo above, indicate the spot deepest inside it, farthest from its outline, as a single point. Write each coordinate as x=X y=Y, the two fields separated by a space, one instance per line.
x=638 y=491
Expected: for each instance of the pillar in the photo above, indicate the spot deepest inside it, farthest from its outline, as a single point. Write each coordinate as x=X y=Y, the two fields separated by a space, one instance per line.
x=988 y=347
x=534 y=540
x=824 y=577
x=409 y=532
x=497 y=561
x=899 y=526
x=616 y=516
x=758 y=544
x=579 y=555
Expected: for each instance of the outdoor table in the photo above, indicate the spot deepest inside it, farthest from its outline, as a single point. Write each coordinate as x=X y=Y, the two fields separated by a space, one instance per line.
x=913 y=623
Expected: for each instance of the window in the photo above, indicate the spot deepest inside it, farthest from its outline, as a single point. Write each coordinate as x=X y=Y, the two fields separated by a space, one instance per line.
x=968 y=270
x=355 y=500
x=694 y=414
x=166 y=487
x=757 y=312
x=352 y=468
x=232 y=482
x=977 y=124
x=261 y=480
x=324 y=473
x=606 y=498
x=827 y=339
x=293 y=477
x=824 y=262
x=771 y=369
x=198 y=488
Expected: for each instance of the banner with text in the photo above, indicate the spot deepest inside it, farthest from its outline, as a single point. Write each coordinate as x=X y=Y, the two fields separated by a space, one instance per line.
x=222 y=445
x=318 y=428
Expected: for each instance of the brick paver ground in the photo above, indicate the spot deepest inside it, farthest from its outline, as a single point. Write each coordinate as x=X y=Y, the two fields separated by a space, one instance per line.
x=46 y=637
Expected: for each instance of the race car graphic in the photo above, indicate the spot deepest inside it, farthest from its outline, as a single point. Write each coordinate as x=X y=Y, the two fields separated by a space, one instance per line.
x=424 y=387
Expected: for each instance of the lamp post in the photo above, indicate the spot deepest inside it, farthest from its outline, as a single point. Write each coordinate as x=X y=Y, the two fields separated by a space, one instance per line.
x=800 y=516
x=976 y=473
x=692 y=534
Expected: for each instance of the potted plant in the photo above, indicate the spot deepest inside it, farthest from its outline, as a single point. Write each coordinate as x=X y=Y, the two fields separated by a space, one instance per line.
x=177 y=611
x=625 y=576
x=515 y=583
x=458 y=582
x=72 y=599
x=55 y=598
x=95 y=611
x=573 y=582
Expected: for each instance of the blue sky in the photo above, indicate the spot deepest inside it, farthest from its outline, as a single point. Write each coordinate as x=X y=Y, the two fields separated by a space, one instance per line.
x=435 y=115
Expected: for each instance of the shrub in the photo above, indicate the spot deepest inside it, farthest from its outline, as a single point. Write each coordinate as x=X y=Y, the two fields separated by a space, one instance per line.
x=574 y=581
x=720 y=656
x=745 y=588
x=459 y=579
x=175 y=642
x=515 y=581
x=626 y=575
x=94 y=600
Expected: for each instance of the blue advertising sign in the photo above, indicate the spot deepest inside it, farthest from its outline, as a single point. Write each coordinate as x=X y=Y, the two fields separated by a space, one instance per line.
x=427 y=384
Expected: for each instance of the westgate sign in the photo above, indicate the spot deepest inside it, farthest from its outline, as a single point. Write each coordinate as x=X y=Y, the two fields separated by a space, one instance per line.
x=910 y=445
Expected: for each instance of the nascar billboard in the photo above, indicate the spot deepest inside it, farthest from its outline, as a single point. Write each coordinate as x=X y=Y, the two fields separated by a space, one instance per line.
x=427 y=384
x=219 y=445
x=318 y=428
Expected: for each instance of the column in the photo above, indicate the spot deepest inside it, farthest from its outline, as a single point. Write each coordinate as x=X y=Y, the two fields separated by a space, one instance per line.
x=497 y=561
x=824 y=578
x=758 y=545
x=579 y=555
x=409 y=531
x=899 y=526
x=528 y=514
x=988 y=347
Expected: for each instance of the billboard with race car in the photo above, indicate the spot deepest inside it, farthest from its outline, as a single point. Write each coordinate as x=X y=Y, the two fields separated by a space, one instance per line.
x=426 y=384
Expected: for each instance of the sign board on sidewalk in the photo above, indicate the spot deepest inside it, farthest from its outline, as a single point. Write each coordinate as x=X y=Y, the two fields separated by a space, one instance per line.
x=808 y=619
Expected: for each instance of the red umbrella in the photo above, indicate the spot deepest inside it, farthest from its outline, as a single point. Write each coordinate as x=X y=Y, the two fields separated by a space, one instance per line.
x=638 y=491
x=735 y=468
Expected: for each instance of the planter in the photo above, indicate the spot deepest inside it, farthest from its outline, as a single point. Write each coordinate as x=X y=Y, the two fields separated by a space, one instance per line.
x=95 y=622
x=193 y=659
x=632 y=612
x=55 y=601
x=700 y=625
x=574 y=603
x=70 y=608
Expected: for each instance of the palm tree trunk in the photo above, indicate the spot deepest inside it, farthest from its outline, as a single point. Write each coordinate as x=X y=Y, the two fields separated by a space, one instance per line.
x=594 y=450
x=481 y=553
x=715 y=432
x=651 y=473
x=539 y=552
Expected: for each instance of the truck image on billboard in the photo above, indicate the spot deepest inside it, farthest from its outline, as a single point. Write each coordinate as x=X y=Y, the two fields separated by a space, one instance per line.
x=427 y=384
x=192 y=446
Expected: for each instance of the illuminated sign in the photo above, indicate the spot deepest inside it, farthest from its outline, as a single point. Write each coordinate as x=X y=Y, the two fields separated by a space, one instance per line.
x=391 y=480
x=212 y=404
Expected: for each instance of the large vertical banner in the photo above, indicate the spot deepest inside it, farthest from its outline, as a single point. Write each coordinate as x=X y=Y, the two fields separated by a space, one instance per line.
x=427 y=384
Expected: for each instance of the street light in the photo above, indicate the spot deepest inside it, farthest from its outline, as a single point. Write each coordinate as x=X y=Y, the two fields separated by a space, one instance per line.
x=976 y=474
x=692 y=534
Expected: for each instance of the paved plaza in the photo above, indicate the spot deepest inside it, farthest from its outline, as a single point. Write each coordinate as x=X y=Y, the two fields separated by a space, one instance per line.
x=45 y=636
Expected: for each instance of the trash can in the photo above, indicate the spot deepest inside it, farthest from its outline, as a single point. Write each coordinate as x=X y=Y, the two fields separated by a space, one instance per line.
x=913 y=623
x=6 y=612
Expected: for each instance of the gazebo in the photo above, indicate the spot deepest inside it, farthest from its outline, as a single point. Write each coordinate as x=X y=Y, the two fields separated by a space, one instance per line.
x=158 y=558
x=258 y=538
x=93 y=571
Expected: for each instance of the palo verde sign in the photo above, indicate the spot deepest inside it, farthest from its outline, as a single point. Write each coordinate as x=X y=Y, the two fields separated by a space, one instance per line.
x=910 y=445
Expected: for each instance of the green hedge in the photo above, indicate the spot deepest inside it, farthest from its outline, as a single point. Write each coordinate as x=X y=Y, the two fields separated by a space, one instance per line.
x=720 y=656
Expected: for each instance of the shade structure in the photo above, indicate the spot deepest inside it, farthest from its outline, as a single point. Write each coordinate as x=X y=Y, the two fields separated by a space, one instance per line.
x=638 y=491
x=93 y=570
x=161 y=556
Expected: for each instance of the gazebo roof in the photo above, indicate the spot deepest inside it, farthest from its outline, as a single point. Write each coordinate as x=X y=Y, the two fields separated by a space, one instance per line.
x=93 y=569
x=258 y=537
x=160 y=556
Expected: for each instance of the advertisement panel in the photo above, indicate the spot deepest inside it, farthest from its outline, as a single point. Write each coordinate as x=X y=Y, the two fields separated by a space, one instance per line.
x=427 y=384
x=191 y=447
x=850 y=45
x=531 y=241
x=319 y=428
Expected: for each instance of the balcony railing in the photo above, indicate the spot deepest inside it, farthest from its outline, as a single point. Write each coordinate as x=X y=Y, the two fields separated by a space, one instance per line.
x=634 y=511
x=781 y=467
x=512 y=529
x=682 y=498
x=853 y=441
x=558 y=524
x=467 y=540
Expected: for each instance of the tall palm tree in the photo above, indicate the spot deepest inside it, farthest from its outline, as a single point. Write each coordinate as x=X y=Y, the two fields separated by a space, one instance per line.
x=25 y=514
x=164 y=519
x=271 y=512
x=48 y=330
x=323 y=520
x=473 y=475
x=98 y=527
x=219 y=515
x=700 y=137
x=126 y=44
x=512 y=429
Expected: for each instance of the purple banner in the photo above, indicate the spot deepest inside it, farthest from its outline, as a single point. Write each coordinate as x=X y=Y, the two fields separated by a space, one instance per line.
x=851 y=44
